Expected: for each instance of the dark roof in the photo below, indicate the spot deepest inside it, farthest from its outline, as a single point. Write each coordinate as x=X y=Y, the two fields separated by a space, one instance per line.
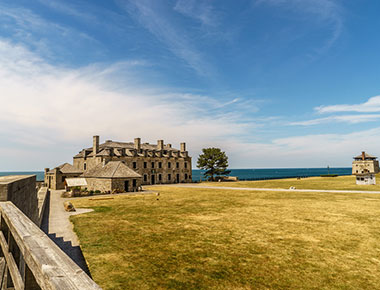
x=366 y=156
x=67 y=168
x=110 y=148
x=113 y=169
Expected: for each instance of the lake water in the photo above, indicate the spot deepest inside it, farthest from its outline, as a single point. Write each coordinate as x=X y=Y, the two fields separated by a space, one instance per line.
x=243 y=174
x=276 y=173
x=40 y=174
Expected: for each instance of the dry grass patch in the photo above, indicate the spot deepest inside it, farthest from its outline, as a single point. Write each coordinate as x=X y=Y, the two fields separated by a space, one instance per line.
x=339 y=183
x=220 y=239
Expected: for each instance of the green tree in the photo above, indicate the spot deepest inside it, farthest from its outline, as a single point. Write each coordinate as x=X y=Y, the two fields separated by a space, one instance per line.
x=214 y=161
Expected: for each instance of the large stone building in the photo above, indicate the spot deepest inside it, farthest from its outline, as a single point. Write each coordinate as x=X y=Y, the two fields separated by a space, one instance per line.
x=137 y=163
x=365 y=166
x=156 y=163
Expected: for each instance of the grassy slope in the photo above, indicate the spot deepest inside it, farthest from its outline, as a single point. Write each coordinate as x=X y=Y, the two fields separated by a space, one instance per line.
x=340 y=182
x=208 y=238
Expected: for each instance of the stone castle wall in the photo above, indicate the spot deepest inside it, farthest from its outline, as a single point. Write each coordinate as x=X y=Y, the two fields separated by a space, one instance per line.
x=22 y=192
x=103 y=185
x=108 y=184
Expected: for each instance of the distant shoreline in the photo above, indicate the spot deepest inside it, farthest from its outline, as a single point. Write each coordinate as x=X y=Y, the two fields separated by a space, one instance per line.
x=242 y=174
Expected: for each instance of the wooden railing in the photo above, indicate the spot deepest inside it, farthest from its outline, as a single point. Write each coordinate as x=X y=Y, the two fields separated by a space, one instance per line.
x=30 y=260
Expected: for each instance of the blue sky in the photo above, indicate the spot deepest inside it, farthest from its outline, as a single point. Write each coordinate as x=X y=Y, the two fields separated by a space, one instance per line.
x=274 y=83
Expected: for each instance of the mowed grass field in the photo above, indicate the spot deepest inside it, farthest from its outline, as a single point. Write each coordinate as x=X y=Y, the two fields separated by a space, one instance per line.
x=221 y=239
x=339 y=183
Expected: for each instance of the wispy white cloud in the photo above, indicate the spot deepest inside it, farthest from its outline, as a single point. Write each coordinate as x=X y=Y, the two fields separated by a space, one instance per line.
x=70 y=9
x=350 y=119
x=70 y=105
x=50 y=113
x=151 y=15
x=46 y=37
x=370 y=106
x=325 y=12
x=317 y=150
x=201 y=11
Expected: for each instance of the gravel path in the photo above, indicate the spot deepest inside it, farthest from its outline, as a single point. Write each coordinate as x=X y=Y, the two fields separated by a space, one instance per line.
x=269 y=189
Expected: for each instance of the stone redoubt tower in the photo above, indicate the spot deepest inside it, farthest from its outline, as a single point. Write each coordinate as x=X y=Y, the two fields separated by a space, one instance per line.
x=365 y=166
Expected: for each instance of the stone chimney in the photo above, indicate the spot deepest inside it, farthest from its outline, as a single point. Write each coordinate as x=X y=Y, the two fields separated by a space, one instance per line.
x=169 y=145
x=363 y=155
x=160 y=145
x=47 y=170
x=95 y=144
x=183 y=147
x=138 y=144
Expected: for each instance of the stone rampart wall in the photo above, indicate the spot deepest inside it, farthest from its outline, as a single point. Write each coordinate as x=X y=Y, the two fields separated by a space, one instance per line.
x=21 y=191
x=43 y=196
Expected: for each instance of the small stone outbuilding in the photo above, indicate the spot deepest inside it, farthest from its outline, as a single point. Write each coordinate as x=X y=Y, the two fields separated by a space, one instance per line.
x=113 y=176
x=55 y=178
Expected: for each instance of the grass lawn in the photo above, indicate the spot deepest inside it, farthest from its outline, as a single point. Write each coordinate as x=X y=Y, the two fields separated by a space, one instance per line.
x=220 y=239
x=340 y=182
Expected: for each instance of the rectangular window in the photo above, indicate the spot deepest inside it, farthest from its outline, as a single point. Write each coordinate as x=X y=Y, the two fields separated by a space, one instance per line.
x=145 y=164
x=159 y=177
x=134 y=165
x=159 y=164
x=152 y=164
x=169 y=164
x=84 y=166
x=185 y=164
x=169 y=176
x=134 y=182
x=177 y=164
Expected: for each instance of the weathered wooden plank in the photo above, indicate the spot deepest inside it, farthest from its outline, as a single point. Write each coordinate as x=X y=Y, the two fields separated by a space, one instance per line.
x=51 y=267
x=3 y=268
x=12 y=266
